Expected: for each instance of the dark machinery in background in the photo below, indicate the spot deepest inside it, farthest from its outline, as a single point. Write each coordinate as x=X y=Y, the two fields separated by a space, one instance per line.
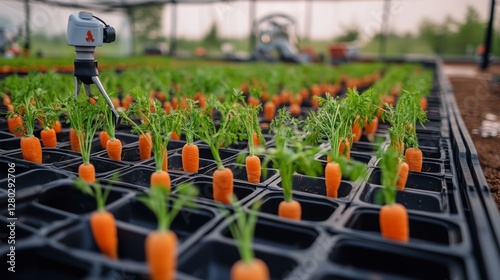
x=276 y=39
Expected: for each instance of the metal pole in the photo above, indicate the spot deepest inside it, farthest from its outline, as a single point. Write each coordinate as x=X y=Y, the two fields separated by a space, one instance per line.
x=487 y=40
x=308 y=20
x=28 y=31
x=253 y=8
x=130 y=14
x=173 y=29
x=385 y=26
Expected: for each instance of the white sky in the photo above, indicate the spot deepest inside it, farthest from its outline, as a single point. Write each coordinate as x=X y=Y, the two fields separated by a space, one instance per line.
x=329 y=18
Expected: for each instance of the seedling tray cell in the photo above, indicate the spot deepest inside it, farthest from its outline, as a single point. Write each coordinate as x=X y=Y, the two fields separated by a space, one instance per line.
x=415 y=181
x=79 y=241
x=243 y=191
x=240 y=173
x=394 y=262
x=212 y=260
x=424 y=229
x=32 y=180
x=43 y=263
x=102 y=166
x=175 y=163
x=139 y=177
x=279 y=234
x=189 y=223
x=412 y=200
x=316 y=185
x=63 y=196
x=315 y=209
x=49 y=156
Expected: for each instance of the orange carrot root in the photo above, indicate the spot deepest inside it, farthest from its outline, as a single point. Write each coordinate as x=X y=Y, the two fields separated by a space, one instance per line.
x=333 y=177
x=145 y=146
x=160 y=179
x=104 y=230
x=290 y=209
x=402 y=175
x=103 y=139
x=49 y=137
x=223 y=185
x=114 y=148
x=87 y=172
x=253 y=167
x=256 y=270
x=394 y=223
x=190 y=158
x=414 y=159
x=161 y=254
x=31 y=149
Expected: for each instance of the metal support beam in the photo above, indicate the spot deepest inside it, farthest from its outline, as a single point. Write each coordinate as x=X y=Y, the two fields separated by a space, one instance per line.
x=253 y=8
x=27 y=39
x=133 y=39
x=307 y=22
x=384 y=29
x=173 y=29
x=488 y=38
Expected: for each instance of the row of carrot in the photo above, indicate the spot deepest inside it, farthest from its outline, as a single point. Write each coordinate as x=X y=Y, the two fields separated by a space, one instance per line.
x=336 y=122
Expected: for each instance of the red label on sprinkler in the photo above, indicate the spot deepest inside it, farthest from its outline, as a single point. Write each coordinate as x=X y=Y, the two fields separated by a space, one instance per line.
x=90 y=37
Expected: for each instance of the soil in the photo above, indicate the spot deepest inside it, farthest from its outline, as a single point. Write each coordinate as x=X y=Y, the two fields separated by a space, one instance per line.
x=477 y=95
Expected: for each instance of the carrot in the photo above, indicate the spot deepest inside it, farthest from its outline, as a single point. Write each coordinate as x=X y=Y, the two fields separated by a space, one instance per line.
x=315 y=90
x=175 y=102
x=31 y=149
x=304 y=93
x=167 y=106
x=265 y=96
x=394 y=224
x=103 y=139
x=6 y=100
x=175 y=136
x=345 y=148
x=413 y=157
x=256 y=139
x=116 y=102
x=333 y=177
x=57 y=126
x=276 y=100
x=102 y=222
x=290 y=209
x=161 y=244
x=371 y=128
x=253 y=167
x=161 y=248
x=160 y=179
x=403 y=169
x=285 y=97
x=223 y=185
x=49 y=137
x=73 y=140
x=145 y=146
x=356 y=132
x=295 y=109
x=105 y=234
x=92 y=100
x=423 y=103
x=86 y=171
x=114 y=148
x=256 y=269
x=126 y=101
x=253 y=101
x=190 y=158
x=269 y=111
x=15 y=124
x=315 y=103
